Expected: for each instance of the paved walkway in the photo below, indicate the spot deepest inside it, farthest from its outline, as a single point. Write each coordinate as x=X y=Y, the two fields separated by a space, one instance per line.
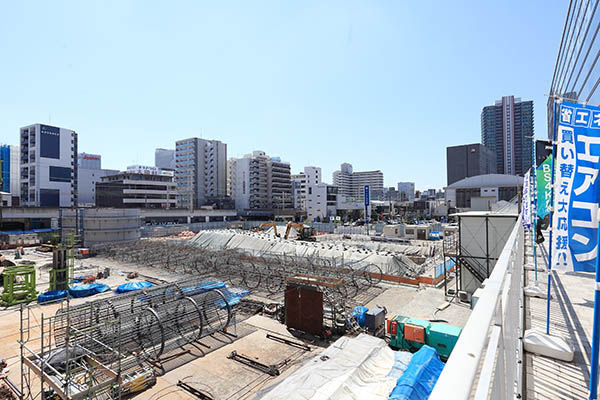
x=571 y=315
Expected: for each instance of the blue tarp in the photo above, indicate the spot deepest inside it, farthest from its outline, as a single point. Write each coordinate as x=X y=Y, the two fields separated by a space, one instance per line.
x=52 y=295
x=234 y=296
x=359 y=314
x=420 y=377
x=401 y=362
x=131 y=286
x=204 y=287
x=88 y=289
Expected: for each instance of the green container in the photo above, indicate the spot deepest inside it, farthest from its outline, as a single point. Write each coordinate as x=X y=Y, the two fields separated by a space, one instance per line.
x=412 y=345
x=397 y=340
x=443 y=338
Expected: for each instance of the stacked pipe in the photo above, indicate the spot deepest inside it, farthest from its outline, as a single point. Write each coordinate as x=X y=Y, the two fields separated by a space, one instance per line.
x=151 y=321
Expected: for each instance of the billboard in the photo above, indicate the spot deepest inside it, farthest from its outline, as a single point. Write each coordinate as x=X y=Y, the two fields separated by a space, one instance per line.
x=49 y=141
x=576 y=190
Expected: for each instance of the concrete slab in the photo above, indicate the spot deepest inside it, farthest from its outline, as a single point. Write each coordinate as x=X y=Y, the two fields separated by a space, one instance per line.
x=423 y=303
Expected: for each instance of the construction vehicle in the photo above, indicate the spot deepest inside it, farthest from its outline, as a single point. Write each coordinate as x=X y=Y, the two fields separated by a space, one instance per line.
x=262 y=227
x=303 y=232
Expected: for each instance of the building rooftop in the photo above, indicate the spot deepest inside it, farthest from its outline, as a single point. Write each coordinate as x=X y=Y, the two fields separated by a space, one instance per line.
x=488 y=180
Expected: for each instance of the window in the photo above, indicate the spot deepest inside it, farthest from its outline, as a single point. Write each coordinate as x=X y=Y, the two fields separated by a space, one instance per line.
x=59 y=174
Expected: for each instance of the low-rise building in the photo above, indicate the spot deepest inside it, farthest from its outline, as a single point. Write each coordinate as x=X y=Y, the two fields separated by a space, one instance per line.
x=480 y=193
x=137 y=189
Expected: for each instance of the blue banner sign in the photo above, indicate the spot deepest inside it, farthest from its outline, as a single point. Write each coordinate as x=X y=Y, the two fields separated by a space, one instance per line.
x=367 y=195
x=575 y=214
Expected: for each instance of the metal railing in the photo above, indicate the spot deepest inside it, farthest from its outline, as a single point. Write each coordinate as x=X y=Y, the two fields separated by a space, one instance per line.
x=487 y=359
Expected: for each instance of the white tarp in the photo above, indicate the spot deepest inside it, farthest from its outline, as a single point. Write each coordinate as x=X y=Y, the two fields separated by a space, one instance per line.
x=257 y=244
x=351 y=368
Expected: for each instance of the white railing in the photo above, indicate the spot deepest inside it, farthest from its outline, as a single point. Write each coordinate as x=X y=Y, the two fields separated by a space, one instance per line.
x=487 y=361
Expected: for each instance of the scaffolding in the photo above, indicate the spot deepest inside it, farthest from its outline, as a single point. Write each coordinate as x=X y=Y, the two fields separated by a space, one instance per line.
x=67 y=369
x=18 y=285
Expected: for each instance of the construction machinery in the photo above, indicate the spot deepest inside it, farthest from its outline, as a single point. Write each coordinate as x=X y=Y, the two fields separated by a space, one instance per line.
x=303 y=232
x=262 y=227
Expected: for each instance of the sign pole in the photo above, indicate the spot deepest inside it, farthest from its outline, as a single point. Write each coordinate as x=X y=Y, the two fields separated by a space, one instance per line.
x=595 y=329
x=554 y=123
x=367 y=196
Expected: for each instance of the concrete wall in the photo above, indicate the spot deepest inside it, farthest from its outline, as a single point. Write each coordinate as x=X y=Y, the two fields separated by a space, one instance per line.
x=103 y=225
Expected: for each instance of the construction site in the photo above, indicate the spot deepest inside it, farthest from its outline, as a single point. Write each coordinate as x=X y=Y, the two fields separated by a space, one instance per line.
x=222 y=314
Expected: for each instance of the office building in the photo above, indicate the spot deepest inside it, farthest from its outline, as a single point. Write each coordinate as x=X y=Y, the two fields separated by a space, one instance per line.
x=138 y=187
x=89 y=171
x=507 y=130
x=260 y=182
x=164 y=158
x=9 y=170
x=406 y=191
x=351 y=184
x=468 y=160
x=89 y=161
x=200 y=172
x=48 y=166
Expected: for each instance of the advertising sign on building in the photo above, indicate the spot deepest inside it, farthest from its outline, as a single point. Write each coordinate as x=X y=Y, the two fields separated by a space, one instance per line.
x=49 y=142
x=575 y=217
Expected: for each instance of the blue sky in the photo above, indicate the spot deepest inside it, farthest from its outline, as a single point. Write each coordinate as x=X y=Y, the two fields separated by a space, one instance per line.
x=379 y=84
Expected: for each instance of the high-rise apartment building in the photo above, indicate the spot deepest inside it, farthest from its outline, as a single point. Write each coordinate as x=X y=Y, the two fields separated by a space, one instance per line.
x=48 y=166
x=300 y=183
x=507 y=130
x=260 y=182
x=406 y=191
x=469 y=160
x=164 y=158
x=351 y=184
x=200 y=172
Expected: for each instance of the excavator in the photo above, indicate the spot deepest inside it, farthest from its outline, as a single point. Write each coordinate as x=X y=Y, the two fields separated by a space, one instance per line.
x=304 y=232
x=262 y=227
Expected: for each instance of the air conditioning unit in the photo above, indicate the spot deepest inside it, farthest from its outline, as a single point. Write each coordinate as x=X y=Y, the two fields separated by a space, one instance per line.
x=463 y=296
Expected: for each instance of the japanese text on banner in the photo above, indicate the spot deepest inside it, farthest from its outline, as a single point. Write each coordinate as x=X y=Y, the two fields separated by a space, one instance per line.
x=575 y=218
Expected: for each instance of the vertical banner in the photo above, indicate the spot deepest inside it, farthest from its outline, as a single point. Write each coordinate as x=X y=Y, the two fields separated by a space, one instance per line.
x=526 y=201
x=575 y=216
x=544 y=186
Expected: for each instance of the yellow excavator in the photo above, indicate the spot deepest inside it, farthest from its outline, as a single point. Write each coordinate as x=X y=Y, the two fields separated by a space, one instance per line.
x=262 y=227
x=304 y=232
